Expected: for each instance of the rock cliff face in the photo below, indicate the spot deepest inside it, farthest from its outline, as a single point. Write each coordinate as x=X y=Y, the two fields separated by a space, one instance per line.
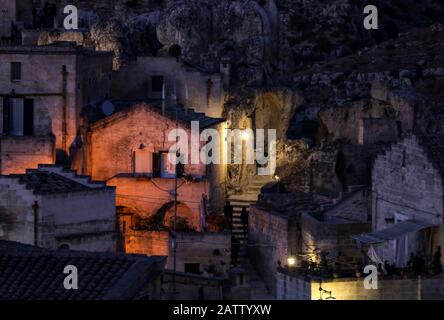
x=336 y=93
x=267 y=40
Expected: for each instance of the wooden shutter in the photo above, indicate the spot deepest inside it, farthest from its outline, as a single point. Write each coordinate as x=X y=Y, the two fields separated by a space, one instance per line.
x=6 y=115
x=28 y=118
x=156 y=165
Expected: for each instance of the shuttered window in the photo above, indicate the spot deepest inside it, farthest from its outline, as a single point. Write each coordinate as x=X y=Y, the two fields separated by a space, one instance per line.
x=168 y=167
x=142 y=161
x=18 y=116
x=16 y=71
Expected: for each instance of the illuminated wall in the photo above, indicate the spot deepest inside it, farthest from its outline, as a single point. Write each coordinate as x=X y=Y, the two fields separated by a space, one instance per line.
x=291 y=287
x=21 y=153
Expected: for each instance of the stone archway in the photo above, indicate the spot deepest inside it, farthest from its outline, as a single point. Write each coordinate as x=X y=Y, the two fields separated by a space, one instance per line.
x=184 y=214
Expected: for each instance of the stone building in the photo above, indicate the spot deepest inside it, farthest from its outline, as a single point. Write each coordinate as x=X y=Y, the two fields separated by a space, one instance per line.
x=43 y=91
x=407 y=202
x=130 y=150
x=54 y=208
x=14 y=16
x=101 y=276
x=291 y=286
x=152 y=77
x=301 y=229
x=201 y=253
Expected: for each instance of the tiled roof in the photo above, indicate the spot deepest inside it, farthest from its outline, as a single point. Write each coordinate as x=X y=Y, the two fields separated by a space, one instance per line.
x=184 y=115
x=31 y=273
x=44 y=182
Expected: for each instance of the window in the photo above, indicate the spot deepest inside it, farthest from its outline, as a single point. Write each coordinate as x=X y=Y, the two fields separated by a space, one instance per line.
x=16 y=71
x=18 y=116
x=192 y=268
x=157 y=83
x=161 y=166
x=168 y=168
x=143 y=161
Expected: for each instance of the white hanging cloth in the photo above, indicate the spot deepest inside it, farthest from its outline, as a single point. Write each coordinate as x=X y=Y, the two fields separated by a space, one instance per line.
x=373 y=256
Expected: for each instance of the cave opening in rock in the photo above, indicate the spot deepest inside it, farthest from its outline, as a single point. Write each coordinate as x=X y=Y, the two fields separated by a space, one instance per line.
x=175 y=51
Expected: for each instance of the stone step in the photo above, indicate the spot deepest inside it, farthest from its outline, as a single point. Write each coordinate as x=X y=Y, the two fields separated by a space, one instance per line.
x=242 y=203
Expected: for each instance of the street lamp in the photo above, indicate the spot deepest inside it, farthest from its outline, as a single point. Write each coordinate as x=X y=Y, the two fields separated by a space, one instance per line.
x=291 y=261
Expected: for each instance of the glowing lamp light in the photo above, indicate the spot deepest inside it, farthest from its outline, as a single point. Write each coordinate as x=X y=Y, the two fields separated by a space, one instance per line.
x=276 y=177
x=291 y=261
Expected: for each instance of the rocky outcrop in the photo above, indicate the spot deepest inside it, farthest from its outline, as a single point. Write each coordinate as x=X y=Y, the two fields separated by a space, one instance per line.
x=307 y=68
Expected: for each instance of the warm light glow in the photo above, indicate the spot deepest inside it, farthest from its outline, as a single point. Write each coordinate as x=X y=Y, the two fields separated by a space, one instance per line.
x=291 y=261
x=245 y=135
x=276 y=177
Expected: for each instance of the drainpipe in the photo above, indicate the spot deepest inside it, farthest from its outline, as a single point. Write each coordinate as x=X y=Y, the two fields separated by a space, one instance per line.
x=35 y=209
x=64 y=110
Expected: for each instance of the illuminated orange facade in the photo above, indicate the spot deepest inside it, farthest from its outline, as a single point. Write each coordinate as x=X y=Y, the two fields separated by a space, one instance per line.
x=129 y=150
x=43 y=92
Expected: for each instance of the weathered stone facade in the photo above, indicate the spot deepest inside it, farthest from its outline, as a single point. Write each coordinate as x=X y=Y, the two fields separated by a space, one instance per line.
x=111 y=156
x=51 y=208
x=194 y=89
x=304 y=226
x=21 y=153
x=150 y=243
x=269 y=233
x=55 y=83
x=407 y=185
x=194 y=287
x=149 y=196
x=292 y=287
x=207 y=253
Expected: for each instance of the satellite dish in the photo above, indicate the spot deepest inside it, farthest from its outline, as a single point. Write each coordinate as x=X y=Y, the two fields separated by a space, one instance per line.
x=107 y=108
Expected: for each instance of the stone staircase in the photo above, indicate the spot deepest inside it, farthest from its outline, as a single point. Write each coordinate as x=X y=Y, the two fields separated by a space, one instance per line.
x=72 y=175
x=239 y=201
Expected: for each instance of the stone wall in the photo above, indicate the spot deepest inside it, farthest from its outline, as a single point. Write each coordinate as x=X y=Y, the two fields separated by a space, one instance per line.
x=210 y=250
x=21 y=153
x=205 y=91
x=383 y=118
x=296 y=288
x=292 y=288
x=151 y=243
x=86 y=222
x=45 y=86
x=7 y=17
x=193 y=287
x=406 y=185
x=16 y=213
x=145 y=196
x=61 y=81
x=115 y=138
x=332 y=236
x=375 y=130
x=268 y=238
